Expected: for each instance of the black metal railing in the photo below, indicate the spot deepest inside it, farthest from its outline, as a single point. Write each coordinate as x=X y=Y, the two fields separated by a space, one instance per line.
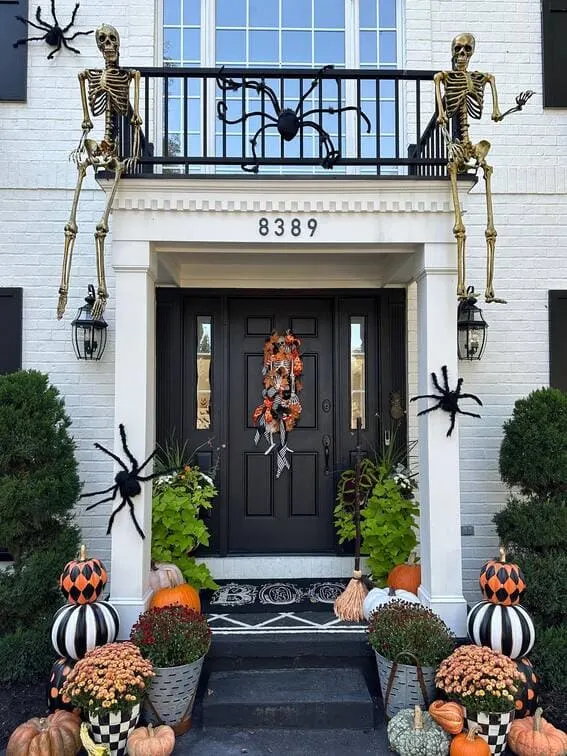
x=374 y=122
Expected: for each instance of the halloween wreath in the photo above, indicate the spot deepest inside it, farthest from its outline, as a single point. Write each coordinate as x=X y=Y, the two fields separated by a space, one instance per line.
x=280 y=408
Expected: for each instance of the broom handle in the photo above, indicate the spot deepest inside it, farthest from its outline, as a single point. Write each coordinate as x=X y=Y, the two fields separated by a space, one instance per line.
x=357 y=474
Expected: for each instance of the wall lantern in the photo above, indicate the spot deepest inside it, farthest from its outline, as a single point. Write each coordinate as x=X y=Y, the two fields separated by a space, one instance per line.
x=471 y=328
x=89 y=334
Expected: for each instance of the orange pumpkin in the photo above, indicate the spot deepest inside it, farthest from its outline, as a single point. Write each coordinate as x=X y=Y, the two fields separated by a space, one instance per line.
x=151 y=741
x=534 y=735
x=55 y=735
x=406 y=577
x=448 y=715
x=469 y=744
x=179 y=594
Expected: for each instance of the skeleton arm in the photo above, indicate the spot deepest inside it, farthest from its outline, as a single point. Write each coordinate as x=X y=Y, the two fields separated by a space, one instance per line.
x=496 y=114
x=87 y=123
x=441 y=114
x=136 y=120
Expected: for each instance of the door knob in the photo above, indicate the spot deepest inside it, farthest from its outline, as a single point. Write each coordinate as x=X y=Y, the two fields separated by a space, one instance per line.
x=326 y=451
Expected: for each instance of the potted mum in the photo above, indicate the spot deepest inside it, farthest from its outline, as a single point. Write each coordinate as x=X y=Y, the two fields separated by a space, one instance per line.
x=175 y=639
x=409 y=641
x=485 y=683
x=108 y=684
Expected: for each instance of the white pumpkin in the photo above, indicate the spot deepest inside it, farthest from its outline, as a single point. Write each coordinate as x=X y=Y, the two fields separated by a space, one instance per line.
x=377 y=597
x=163 y=575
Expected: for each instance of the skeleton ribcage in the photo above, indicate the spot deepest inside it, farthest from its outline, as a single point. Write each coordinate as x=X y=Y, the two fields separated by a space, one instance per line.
x=465 y=88
x=108 y=89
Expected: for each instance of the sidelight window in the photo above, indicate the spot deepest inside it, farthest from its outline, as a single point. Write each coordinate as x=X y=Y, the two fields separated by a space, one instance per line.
x=204 y=357
x=357 y=370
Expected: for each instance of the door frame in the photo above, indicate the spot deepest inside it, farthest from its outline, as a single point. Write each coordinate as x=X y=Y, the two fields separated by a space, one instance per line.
x=171 y=355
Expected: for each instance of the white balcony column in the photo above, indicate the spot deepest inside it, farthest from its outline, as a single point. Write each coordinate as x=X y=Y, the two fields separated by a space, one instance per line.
x=439 y=479
x=134 y=333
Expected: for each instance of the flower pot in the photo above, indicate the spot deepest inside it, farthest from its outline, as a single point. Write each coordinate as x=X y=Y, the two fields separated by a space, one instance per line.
x=494 y=727
x=112 y=728
x=171 y=694
x=404 y=685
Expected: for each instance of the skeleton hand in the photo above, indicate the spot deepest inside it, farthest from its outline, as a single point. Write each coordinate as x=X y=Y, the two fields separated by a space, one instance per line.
x=130 y=164
x=136 y=121
x=78 y=154
x=442 y=119
x=523 y=97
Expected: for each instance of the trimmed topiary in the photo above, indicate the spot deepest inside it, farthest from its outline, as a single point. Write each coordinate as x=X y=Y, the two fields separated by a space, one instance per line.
x=515 y=525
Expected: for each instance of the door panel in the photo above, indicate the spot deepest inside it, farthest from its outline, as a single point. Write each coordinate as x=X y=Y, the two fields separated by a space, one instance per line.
x=292 y=513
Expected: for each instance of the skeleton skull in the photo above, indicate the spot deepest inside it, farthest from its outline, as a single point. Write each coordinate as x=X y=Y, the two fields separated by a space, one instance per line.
x=462 y=49
x=108 y=42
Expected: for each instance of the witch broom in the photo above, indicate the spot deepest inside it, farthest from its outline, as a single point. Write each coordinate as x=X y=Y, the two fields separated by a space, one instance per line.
x=348 y=606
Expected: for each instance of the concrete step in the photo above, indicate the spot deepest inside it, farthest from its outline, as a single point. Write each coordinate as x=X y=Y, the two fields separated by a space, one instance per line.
x=312 y=698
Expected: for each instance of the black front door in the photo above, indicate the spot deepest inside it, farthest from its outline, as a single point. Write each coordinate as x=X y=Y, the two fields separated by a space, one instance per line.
x=292 y=512
x=209 y=382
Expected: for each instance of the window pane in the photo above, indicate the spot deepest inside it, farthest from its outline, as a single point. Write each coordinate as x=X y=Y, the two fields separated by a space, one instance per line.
x=231 y=46
x=387 y=44
x=264 y=13
x=204 y=354
x=172 y=12
x=191 y=46
x=231 y=12
x=263 y=46
x=296 y=47
x=192 y=12
x=368 y=47
x=171 y=44
x=296 y=13
x=329 y=48
x=357 y=370
x=387 y=14
x=329 y=14
x=387 y=117
x=368 y=14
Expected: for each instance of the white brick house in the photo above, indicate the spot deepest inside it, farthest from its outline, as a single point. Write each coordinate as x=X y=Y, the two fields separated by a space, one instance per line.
x=200 y=234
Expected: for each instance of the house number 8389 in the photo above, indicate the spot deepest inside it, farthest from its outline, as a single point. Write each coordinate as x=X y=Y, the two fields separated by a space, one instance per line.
x=286 y=227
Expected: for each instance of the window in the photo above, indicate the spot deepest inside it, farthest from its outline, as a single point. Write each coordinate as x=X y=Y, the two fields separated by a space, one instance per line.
x=11 y=333
x=203 y=371
x=357 y=370
x=14 y=60
x=554 y=30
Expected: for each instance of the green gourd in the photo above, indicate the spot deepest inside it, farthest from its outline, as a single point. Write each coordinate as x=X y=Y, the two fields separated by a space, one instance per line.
x=413 y=732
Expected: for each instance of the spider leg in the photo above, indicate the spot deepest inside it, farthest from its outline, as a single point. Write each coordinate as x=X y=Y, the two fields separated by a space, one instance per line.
x=471 y=396
x=445 y=377
x=111 y=454
x=148 y=460
x=253 y=141
x=127 y=451
x=316 y=80
x=98 y=493
x=452 y=426
x=133 y=516
x=424 y=396
x=222 y=108
x=73 y=49
x=437 y=386
x=336 y=111
x=103 y=501
x=429 y=409
x=332 y=154
x=56 y=50
x=78 y=34
x=72 y=21
x=25 y=41
x=471 y=414
x=113 y=515
x=44 y=26
x=53 y=12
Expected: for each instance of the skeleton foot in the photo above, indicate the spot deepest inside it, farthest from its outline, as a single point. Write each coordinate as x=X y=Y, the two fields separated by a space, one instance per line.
x=99 y=305
x=61 y=304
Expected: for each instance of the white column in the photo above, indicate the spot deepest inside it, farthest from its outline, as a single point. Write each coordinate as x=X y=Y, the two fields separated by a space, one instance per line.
x=439 y=480
x=134 y=407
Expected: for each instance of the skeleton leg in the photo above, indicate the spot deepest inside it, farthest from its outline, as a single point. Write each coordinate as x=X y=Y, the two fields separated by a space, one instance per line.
x=490 y=234
x=459 y=231
x=70 y=236
x=100 y=236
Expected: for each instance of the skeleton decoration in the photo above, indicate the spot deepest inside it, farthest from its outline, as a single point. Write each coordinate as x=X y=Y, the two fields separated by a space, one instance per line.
x=280 y=408
x=288 y=122
x=108 y=94
x=447 y=399
x=463 y=97
x=53 y=35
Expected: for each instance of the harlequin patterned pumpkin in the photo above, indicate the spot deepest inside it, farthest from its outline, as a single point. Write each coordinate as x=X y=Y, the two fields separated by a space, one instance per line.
x=82 y=580
x=59 y=672
x=78 y=628
x=526 y=701
x=508 y=629
x=502 y=582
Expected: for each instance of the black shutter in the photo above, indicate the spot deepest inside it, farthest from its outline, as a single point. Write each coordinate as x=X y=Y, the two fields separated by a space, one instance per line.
x=14 y=60
x=10 y=330
x=558 y=339
x=554 y=33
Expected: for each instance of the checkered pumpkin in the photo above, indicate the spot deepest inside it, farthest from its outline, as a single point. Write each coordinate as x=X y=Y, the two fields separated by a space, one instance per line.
x=526 y=700
x=502 y=582
x=83 y=580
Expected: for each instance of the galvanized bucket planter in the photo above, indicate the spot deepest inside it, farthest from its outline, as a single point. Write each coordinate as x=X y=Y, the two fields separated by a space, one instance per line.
x=171 y=695
x=404 y=685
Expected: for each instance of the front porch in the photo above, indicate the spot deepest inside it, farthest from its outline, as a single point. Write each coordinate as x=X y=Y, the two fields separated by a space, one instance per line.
x=369 y=235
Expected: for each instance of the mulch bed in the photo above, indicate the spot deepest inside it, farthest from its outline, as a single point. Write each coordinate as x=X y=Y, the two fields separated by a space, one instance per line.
x=19 y=702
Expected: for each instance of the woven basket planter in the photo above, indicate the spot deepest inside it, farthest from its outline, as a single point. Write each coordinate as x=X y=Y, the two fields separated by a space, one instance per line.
x=404 y=685
x=171 y=694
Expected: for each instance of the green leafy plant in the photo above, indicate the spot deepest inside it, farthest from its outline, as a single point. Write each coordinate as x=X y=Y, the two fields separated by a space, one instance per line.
x=172 y=635
x=400 y=627
x=179 y=500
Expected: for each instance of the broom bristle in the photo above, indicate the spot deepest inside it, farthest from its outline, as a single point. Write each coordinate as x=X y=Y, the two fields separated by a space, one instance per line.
x=348 y=606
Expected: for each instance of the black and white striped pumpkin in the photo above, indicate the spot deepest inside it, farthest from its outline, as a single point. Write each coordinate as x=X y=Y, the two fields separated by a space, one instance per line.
x=78 y=628
x=508 y=629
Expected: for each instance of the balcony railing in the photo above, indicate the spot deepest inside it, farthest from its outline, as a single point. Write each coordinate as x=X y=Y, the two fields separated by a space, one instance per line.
x=365 y=122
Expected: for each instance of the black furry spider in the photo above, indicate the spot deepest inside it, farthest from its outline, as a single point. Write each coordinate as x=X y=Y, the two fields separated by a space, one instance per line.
x=127 y=482
x=54 y=35
x=448 y=400
x=288 y=122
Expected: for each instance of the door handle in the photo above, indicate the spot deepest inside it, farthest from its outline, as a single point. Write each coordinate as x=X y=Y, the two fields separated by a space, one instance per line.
x=326 y=451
